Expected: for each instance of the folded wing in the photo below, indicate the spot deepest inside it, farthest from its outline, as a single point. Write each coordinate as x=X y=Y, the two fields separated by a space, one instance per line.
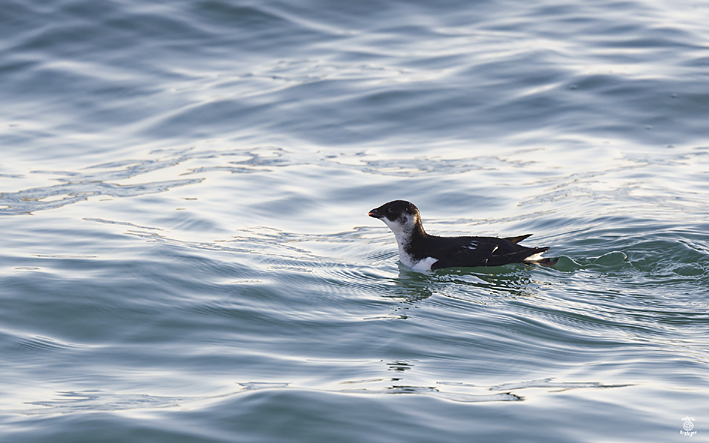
x=483 y=251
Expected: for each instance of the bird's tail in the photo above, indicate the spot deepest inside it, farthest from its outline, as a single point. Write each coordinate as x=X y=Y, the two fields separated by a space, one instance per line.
x=518 y=239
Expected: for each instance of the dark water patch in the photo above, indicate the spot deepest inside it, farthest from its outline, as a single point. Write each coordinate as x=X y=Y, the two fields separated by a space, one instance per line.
x=42 y=344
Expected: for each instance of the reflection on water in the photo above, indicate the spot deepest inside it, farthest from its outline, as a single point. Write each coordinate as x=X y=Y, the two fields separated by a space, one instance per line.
x=512 y=280
x=78 y=402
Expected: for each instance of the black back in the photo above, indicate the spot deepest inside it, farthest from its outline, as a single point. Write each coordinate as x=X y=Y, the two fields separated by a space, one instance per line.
x=470 y=251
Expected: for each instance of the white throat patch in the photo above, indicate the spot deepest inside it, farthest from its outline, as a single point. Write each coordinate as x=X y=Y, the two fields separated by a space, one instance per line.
x=402 y=233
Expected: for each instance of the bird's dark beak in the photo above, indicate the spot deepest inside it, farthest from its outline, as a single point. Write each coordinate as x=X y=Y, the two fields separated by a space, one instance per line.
x=375 y=214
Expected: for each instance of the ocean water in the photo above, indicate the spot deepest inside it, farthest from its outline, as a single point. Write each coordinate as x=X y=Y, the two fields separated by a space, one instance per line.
x=186 y=255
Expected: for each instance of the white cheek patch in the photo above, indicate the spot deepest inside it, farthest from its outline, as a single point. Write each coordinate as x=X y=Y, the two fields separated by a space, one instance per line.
x=395 y=226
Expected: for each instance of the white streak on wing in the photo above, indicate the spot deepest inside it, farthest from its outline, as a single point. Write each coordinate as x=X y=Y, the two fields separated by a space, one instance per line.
x=534 y=257
x=493 y=251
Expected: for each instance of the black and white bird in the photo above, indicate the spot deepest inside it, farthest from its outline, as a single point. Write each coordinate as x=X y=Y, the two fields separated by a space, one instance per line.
x=423 y=252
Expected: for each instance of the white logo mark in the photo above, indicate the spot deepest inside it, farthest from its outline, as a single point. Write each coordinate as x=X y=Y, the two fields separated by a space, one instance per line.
x=688 y=425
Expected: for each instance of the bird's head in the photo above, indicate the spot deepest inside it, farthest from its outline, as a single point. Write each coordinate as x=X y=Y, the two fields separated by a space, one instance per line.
x=401 y=216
